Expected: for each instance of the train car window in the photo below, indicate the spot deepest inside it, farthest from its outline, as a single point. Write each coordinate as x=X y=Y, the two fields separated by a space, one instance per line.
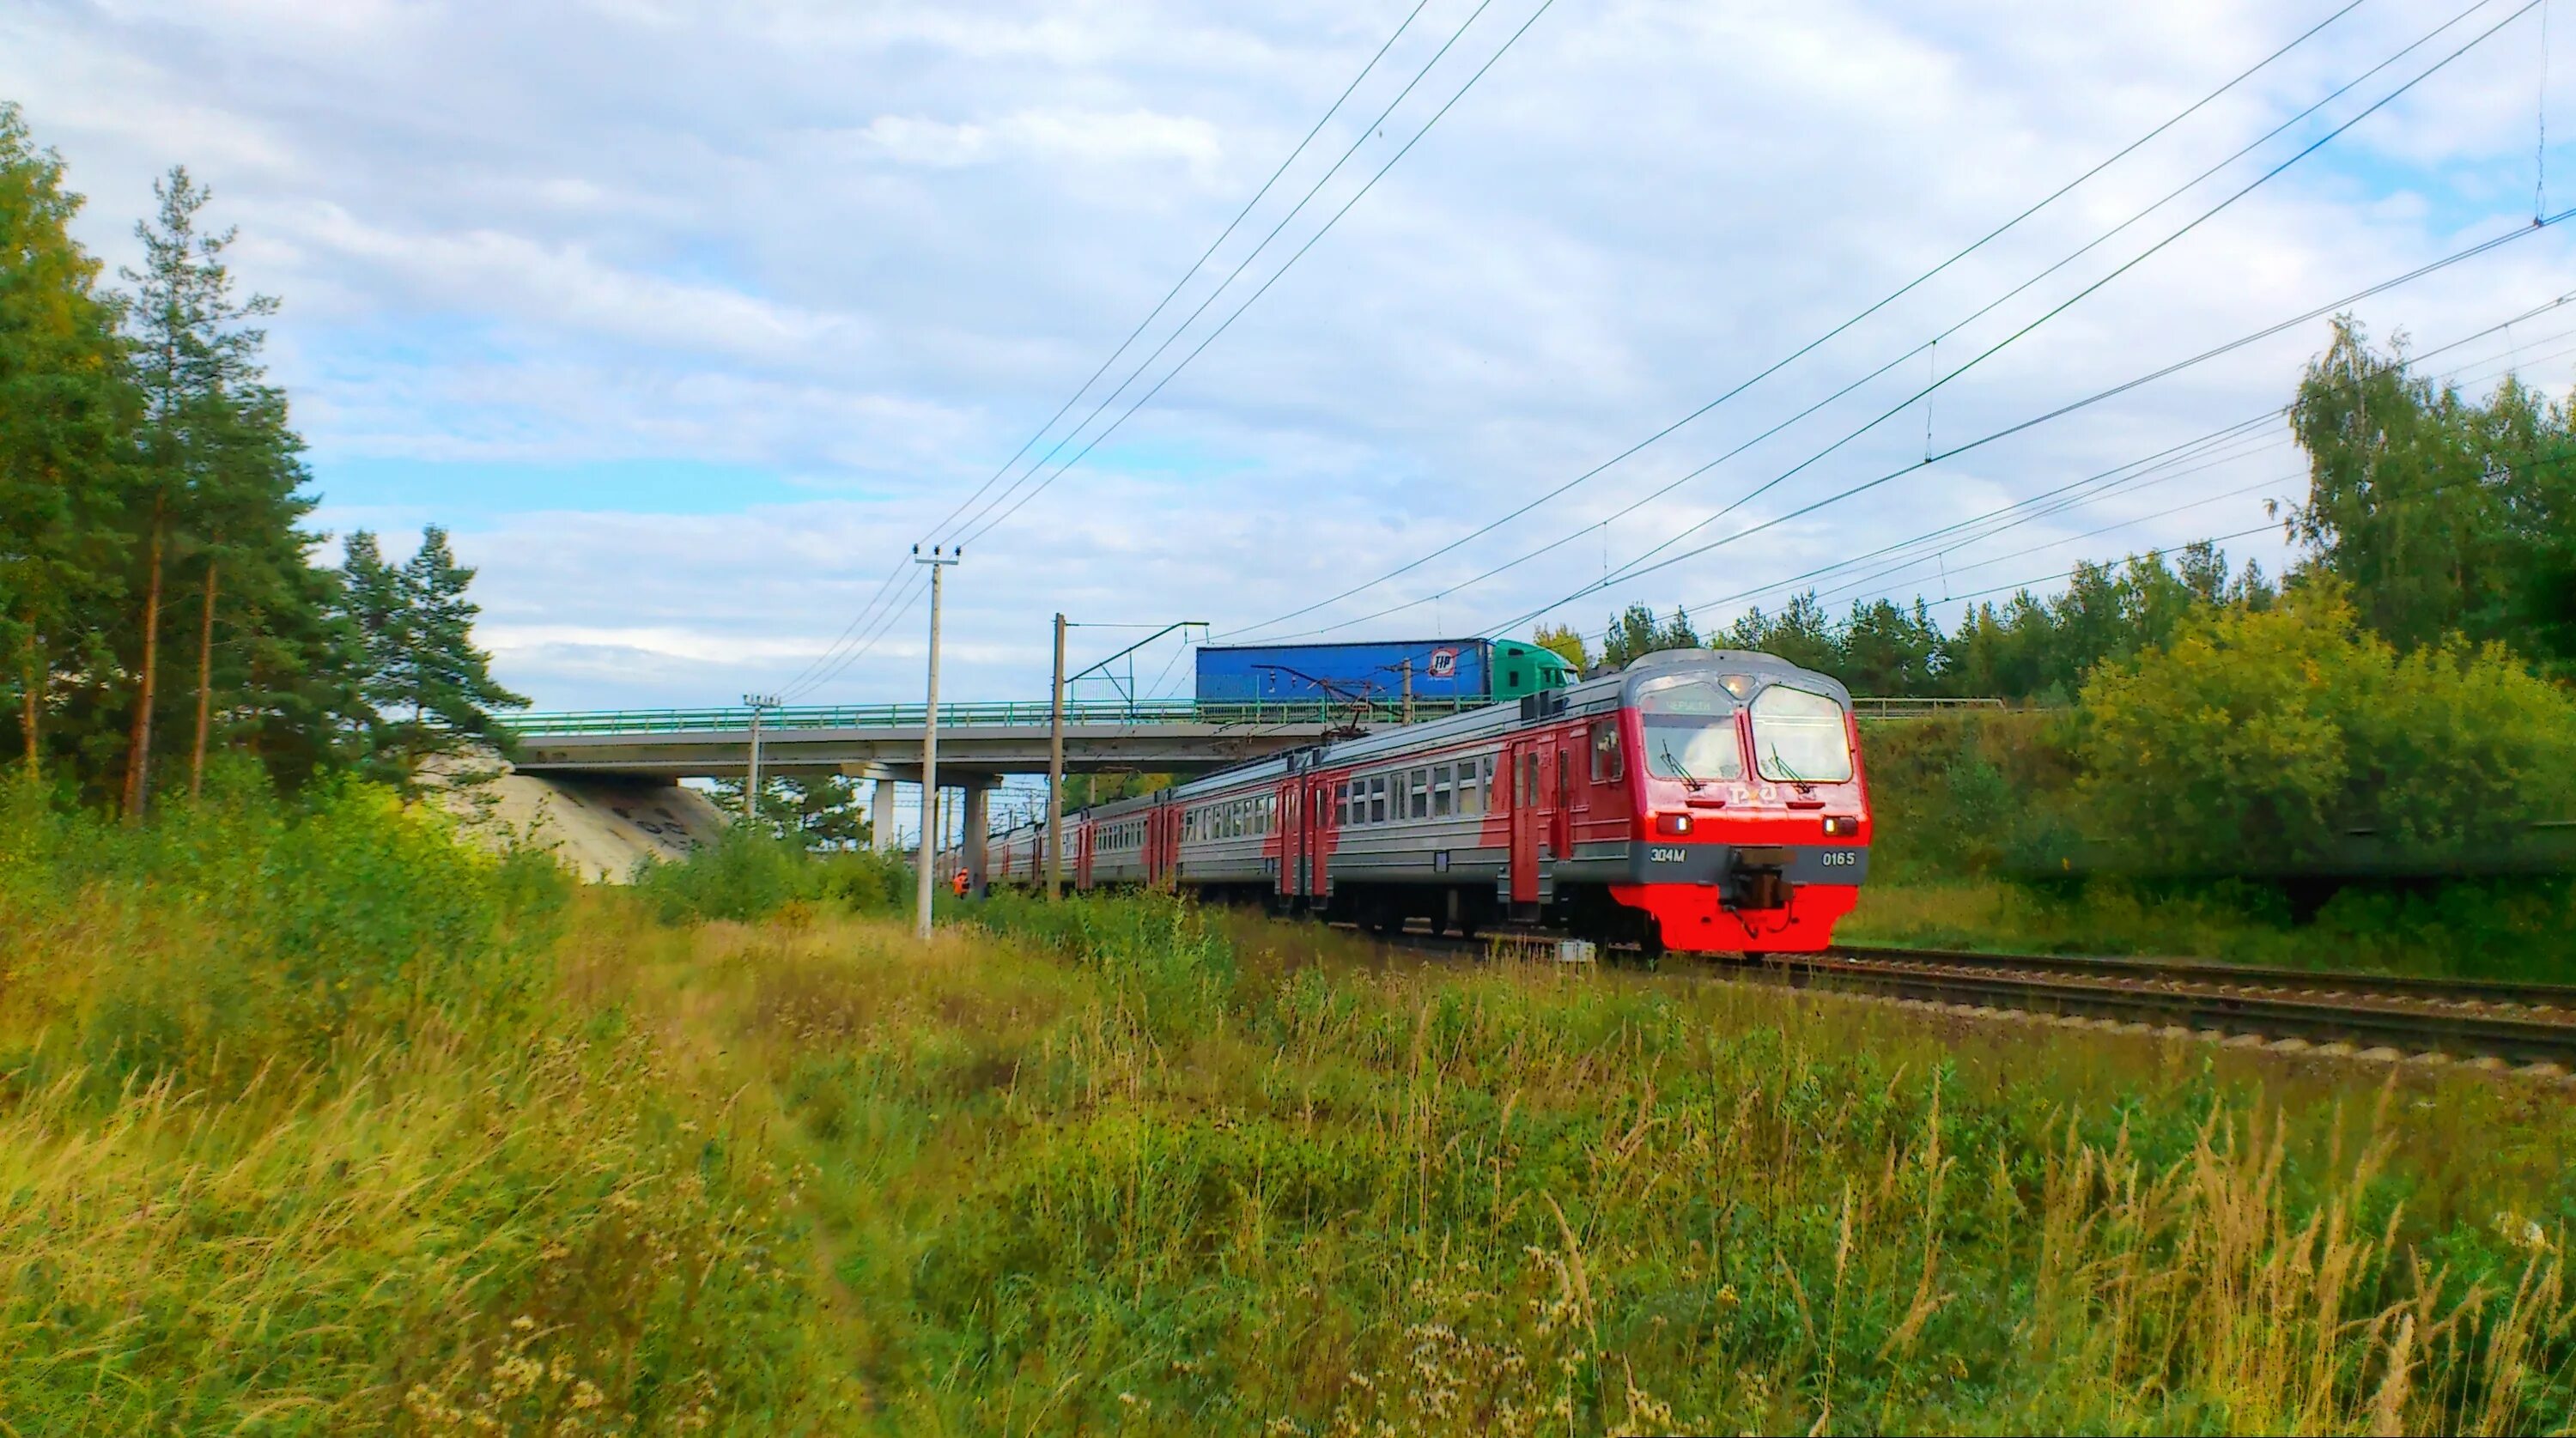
x=1529 y=779
x=1443 y=779
x=1418 y=786
x=1341 y=805
x=1564 y=778
x=1800 y=737
x=1377 y=799
x=1609 y=764
x=1487 y=781
x=1467 y=795
x=1689 y=727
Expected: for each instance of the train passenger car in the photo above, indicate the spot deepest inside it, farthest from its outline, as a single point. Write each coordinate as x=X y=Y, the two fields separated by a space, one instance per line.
x=1699 y=801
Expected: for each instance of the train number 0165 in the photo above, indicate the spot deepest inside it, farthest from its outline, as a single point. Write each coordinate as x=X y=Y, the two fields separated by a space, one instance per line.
x=1842 y=858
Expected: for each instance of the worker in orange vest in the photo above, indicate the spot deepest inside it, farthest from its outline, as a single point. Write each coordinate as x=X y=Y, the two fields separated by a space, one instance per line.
x=957 y=883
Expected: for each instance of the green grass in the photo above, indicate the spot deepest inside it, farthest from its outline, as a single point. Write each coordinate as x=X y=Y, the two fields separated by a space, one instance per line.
x=2521 y=929
x=311 y=1122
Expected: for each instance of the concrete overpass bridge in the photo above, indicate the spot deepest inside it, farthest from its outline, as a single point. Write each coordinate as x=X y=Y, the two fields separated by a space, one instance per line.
x=979 y=743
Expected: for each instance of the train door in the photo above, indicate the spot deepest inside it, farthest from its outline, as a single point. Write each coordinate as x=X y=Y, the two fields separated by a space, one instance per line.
x=1082 y=855
x=1560 y=825
x=1319 y=832
x=1519 y=790
x=1291 y=837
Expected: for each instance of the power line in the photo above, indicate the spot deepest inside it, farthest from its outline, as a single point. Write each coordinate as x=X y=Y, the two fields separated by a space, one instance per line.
x=1228 y=323
x=2202 y=502
x=2106 y=480
x=1375 y=127
x=2517 y=233
x=2213 y=541
x=1803 y=350
x=1611 y=576
x=2060 y=308
x=1637 y=567
x=1195 y=266
x=1141 y=325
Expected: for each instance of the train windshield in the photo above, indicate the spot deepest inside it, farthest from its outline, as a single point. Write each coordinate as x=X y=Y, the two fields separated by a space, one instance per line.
x=1690 y=731
x=1800 y=737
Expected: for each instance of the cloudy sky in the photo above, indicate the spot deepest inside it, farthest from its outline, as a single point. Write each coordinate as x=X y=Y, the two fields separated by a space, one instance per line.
x=688 y=319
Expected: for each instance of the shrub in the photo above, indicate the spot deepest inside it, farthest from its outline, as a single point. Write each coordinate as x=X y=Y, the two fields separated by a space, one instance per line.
x=245 y=928
x=746 y=875
x=2257 y=741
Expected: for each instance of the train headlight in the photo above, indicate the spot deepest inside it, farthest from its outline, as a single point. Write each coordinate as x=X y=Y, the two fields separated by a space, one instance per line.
x=1672 y=823
x=1841 y=826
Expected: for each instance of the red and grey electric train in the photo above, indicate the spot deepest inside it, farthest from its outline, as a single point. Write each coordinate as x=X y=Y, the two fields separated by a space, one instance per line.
x=1698 y=801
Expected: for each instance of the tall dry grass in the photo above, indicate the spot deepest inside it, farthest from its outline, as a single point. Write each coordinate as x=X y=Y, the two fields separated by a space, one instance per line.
x=1117 y=1167
x=311 y=1122
x=300 y=1133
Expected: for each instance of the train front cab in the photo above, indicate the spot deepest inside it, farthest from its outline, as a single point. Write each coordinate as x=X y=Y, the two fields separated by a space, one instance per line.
x=1749 y=828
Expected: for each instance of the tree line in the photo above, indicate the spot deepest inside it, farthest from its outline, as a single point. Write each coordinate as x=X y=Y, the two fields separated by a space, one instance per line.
x=2438 y=517
x=163 y=603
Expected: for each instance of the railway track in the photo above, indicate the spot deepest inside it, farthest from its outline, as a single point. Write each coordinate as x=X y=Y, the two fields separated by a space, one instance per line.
x=2498 y=1025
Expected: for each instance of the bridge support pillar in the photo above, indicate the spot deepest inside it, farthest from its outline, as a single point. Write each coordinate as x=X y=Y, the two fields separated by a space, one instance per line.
x=978 y=818
x=881 y=815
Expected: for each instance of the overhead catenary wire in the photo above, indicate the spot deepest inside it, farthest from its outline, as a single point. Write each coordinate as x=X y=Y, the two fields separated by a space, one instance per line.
x=2169 y=197
x=986 y=518
x=2196 y=447
x=2518 y=232
x=1195 y=266
x=2266 y=527
x=1141 y=326
x=1142 y=400
x=1612 y=576
x=1810 y=346
x=1630 y=570
x=1639 y=565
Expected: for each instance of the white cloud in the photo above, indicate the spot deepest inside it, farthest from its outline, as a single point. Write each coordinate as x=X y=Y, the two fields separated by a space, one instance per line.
x=866 y=249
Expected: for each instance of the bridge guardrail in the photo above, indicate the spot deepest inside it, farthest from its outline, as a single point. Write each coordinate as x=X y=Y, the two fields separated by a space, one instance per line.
x=1007 y=713
x=1038 y=713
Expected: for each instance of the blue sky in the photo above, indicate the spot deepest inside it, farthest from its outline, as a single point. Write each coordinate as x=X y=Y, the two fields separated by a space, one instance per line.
x=688 y=318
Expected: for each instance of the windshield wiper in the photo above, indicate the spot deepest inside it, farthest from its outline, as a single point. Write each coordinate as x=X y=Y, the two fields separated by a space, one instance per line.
x=1666 y=753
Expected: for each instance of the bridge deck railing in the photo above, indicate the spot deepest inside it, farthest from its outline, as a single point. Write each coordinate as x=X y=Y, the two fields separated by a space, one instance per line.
x=1009 y=713
x=1088 y=712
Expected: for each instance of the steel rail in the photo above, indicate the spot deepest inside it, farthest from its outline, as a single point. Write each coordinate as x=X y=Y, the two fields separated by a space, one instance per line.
x=2515 y=1041
x=2214 y=1002
x=2207 y=971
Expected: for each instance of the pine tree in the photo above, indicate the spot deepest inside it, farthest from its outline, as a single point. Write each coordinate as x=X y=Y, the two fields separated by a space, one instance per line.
x=196 y=362
x=414 y=627
x=66 y=413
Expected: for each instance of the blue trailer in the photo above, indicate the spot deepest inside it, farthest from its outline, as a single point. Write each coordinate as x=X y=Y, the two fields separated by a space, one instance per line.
x=1378 y=669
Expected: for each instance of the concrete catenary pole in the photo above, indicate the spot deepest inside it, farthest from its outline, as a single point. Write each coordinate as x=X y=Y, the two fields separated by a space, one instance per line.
x=751 y=780
x=938 y=560
x=1055 y=775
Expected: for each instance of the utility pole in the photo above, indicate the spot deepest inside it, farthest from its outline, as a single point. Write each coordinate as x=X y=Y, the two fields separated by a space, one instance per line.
x=938 y=560
x=751 y=782
x=1055 y=775
x=1408 y=689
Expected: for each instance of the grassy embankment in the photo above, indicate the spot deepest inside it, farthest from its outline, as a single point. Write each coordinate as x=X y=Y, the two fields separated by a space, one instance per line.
x=1963 y=803
x=320 y=1124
